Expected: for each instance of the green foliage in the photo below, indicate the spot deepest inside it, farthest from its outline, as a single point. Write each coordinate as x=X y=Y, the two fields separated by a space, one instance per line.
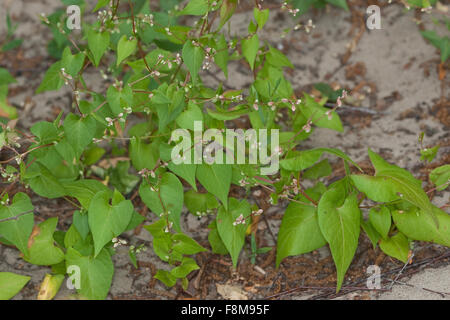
x=11 y=284
x=173 y=248
x=440 y=176
x=299 y=232
x=396 y=246
x=392 y=183
x=125 y=47
x=305 y=5
x=5 y=108
x=96 y=272
x=233 y=235
x=166 y=198
x=380 y=220
x=98 y=42
x=41 y=245
x=216 y=179
x=250 y=48
x=193 y=56
x=339 y=220
x=112 y=154
x=9 y=42
x=17 y=231
x=108 y=218
x=418 y=225
x=441 y=43
x=429 y=154
x=52 y=79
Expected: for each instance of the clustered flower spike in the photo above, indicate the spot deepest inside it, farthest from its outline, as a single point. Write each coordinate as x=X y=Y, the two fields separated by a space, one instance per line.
x=9 y=178
x=307 y=126
x=128 y=110
x=208 y=58
x=255 y=105
x=148 y=18
x=44 y=18
x=290 y=10
x=294 y=186
x=177 y=59
x=243 y=182
x=308 y=26
x=294 y=104
x=279 y=150
x=239 y=220
x=4 y=203
x=339 y=99
x=145 y=173
x=257 y=212
x=118 y=242
x=138 y=249
x=110 y=121
x=104 y=15
x=168 y=227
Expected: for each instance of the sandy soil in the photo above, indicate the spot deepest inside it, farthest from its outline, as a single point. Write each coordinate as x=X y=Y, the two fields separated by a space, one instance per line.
x=394 y=73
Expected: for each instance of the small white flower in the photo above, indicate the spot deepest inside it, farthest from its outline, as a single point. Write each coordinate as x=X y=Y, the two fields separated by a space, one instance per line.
x=279 y=150
x=109 y=121
x=257 y=212
x=243 y=182
x=307 y=127
x=178 y=58
x=239 y=220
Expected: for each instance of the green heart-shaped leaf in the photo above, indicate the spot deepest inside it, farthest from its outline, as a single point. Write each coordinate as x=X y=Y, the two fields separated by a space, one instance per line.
x=233 y=236
x=18 y=230
x=106 y=220
x=41 y=245
x=339 y=221
x=125 y=48
x=95 y=273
